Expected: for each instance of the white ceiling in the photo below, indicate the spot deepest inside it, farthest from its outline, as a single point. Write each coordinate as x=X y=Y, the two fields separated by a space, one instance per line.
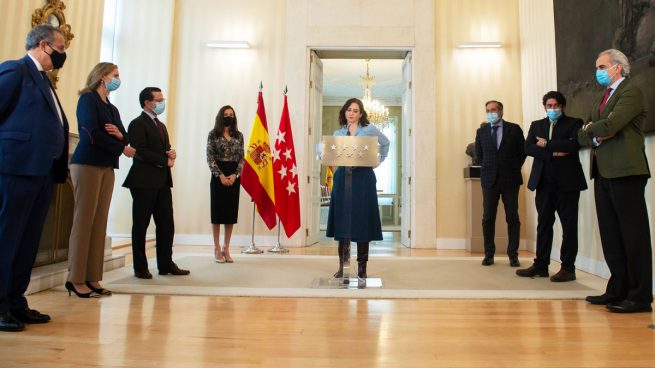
x=342 y=80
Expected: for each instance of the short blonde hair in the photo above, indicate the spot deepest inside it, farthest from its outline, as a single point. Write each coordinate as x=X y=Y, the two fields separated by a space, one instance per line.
x=95 y=77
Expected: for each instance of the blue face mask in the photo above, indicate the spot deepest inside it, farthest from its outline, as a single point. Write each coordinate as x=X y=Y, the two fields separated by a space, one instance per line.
x=603 y=78
x=113 y=84
x=553 y=114
x=492 y=117
x=159 y=107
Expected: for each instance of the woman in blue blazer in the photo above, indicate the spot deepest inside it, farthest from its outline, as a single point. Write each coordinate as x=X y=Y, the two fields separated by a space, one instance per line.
x=102 y=140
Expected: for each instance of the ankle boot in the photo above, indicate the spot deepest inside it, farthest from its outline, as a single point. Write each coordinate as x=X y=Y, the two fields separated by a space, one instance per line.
x=342 y=244
x=362 y=259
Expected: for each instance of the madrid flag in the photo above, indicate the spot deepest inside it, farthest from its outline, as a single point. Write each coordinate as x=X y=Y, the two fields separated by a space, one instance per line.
x=285 y=172
x=257 y=175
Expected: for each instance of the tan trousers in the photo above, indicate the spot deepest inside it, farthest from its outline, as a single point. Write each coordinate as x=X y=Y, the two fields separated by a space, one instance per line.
x=92 y=188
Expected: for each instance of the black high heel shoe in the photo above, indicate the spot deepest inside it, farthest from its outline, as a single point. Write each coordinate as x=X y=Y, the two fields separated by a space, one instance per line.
x=70 y=287
x=100 y=291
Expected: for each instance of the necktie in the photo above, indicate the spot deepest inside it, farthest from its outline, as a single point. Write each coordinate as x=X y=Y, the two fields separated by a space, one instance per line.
x=494 y=137
x=46 y=81
x=160 y=127
x=550 y=130
x=605 y=98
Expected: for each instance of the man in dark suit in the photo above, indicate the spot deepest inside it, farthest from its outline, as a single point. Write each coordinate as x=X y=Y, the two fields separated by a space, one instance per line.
x=150 y=182
x=499 y=147
x=33 y=155
x=558 y=178
x=615 y=133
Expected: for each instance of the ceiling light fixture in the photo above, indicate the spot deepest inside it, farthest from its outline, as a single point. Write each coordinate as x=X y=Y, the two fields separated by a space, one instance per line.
x=228 y=44
x=378 y=115
x=479 y=45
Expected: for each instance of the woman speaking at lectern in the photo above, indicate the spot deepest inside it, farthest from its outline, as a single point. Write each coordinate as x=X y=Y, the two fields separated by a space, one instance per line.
x=365 y=222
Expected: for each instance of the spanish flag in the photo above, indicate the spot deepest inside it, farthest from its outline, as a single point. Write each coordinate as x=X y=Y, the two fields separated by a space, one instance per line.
x=329 y=175
x=257 y=175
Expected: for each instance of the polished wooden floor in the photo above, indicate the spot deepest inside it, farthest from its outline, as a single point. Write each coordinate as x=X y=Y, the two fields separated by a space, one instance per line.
x=191 y=331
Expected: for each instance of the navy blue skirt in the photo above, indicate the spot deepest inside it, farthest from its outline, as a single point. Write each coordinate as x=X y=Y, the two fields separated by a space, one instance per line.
x=365 y=222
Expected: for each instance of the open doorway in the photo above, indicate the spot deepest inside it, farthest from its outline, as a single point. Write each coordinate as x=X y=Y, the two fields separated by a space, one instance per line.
x=335 y=76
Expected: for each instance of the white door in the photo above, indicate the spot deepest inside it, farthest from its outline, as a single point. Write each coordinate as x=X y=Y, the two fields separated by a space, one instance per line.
x=407 y=158
x=315 y=126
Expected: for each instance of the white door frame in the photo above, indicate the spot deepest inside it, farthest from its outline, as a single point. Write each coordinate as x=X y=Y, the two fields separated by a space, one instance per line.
x=408 y=149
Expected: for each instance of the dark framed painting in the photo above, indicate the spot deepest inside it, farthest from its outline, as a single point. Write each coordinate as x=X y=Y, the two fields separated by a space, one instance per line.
x=584 y=28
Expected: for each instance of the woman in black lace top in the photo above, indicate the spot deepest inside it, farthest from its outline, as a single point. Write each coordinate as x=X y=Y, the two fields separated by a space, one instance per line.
x=225 y=160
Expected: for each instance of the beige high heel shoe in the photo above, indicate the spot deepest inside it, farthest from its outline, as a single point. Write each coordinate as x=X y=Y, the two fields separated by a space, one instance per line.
x=216 y=259
x=227 y=258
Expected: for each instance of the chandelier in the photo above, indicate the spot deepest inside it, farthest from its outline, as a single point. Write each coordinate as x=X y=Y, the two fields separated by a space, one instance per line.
x=377 y=113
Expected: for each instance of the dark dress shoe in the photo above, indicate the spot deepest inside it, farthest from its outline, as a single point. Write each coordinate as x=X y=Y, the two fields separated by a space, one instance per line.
x=9 y=323
x=514 y=261
x=30 y=316
x=143 y=274
x=488 y=261
x=175 y=271
x=628 y=306
x=532 y=272
x=563 y=276
x=602 y=299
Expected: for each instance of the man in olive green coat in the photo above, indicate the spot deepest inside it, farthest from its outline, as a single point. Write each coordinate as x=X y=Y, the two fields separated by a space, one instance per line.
x=620 y=169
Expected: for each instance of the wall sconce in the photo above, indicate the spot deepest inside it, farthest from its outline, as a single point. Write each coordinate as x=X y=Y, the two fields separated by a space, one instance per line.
x=228 y=44
x=479 y=45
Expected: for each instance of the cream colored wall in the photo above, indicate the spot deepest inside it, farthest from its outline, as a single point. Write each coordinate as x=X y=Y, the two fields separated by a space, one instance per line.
x=466 y=79
x=539 y=75
x=205 y=79
x=142 y=50
x=202 y=79
x=85 y=19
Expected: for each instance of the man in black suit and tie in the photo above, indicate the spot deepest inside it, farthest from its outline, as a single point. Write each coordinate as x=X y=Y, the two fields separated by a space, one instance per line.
x=33 y=156
x=499 y=147
x=150 y=184
x=558 y=178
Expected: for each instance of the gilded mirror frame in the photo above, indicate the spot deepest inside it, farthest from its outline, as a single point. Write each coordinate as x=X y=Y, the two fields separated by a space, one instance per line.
x=53 y=13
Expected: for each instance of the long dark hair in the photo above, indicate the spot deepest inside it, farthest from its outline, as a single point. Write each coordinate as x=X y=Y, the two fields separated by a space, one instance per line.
x=219 y=125
x=363 y=121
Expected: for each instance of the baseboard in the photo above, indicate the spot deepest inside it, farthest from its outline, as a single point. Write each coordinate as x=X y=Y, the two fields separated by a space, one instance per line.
x=237 y=240
x=460 y=243
x=451 y=243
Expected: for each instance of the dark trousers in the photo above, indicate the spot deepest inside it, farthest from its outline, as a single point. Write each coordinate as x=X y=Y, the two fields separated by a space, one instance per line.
x=625 y=236
x=157 y=203
x=550 y=200
x=490 y=197
x=24 y=204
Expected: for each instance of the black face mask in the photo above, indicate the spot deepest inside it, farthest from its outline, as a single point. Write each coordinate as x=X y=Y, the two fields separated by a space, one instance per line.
x=228 y=121
x=57 y=58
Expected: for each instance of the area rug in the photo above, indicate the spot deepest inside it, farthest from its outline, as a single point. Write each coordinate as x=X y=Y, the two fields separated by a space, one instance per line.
x=402 y=277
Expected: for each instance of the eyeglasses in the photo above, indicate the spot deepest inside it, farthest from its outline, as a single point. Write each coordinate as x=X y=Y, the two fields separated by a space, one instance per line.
x=59 y=49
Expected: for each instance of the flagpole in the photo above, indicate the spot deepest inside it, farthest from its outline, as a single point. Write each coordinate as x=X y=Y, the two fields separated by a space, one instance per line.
x=252 y=249
x=278 y=248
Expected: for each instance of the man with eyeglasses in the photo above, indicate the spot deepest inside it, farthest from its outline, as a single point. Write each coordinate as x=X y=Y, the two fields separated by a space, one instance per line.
x=615 y=133
x=33 y=156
